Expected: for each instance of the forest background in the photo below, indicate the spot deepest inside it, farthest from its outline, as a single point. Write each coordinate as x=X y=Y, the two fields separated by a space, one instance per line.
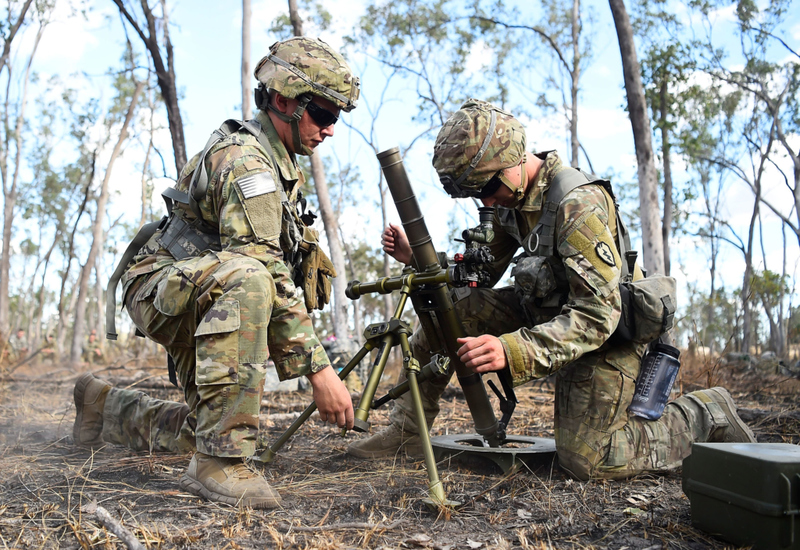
x=104 y=100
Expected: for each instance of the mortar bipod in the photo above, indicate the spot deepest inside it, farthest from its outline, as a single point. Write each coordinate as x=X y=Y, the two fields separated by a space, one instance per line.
x=384 y=337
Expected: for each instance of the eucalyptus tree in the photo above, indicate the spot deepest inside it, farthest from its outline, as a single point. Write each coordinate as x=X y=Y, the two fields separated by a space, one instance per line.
x=652 y=238
x=562 y=36
x=17 y=19
x=118 y=122
x=758 y=98
x=151 y=24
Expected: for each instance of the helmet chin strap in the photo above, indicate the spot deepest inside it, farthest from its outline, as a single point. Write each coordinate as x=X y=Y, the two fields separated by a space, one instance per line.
x=294 y=122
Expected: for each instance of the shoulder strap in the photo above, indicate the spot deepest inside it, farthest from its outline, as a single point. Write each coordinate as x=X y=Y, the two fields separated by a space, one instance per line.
x=541 y=240
x=144 y=234
x=199 y=184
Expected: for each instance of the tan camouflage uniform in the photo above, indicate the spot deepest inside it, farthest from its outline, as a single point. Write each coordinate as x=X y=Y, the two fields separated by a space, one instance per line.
x=220 y=315
x=566 y=332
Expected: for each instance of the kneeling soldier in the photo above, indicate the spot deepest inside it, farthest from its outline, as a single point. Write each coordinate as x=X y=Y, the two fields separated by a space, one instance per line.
x=215 y=285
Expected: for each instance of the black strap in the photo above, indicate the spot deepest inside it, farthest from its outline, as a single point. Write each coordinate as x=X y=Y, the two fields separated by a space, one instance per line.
x=171 y=196
x=144 y=234
x=173 y=376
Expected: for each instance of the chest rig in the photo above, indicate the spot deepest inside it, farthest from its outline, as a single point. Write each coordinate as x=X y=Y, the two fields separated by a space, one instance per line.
x=540 y=277
x=184 y=233
x=648 y=303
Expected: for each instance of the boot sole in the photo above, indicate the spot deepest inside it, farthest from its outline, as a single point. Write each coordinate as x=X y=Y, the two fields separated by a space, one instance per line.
x=196 y=488
x=78 y=395
x=735 y=419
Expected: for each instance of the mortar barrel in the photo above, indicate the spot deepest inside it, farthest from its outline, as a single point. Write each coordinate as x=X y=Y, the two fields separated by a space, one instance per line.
x=425 y=259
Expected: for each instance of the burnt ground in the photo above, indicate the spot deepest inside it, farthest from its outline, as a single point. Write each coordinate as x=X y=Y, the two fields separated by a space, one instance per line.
x=331 y=500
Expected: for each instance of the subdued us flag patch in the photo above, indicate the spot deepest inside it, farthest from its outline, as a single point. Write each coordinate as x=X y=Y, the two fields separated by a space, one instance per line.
x=258 y=184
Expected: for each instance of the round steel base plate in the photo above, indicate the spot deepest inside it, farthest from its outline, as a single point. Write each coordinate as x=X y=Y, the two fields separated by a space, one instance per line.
x=517 y=450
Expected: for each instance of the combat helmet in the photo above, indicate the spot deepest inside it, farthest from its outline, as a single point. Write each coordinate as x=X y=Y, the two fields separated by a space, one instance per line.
x=475 y=143
x=300 y=68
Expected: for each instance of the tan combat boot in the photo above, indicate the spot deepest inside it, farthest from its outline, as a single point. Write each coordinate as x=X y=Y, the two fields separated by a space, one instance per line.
x=736 y=431
x=90 y=398
x=387 y=442
x=228 y=480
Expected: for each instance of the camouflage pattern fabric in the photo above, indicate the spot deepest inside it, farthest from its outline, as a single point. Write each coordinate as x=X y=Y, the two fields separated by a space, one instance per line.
x=462 y=136
x=316 y=61
x=595 y=436
x=221 y=315
x=134 y=419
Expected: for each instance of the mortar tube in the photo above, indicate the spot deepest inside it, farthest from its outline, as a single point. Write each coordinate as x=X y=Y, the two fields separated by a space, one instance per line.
x=425 y=260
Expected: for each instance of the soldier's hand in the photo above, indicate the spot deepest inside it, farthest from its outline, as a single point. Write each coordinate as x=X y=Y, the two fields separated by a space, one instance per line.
x=482 y=354
x=332 y=398
x=395 y=244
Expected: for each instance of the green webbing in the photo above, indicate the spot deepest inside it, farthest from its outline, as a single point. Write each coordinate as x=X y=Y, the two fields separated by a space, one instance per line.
x=144 y=234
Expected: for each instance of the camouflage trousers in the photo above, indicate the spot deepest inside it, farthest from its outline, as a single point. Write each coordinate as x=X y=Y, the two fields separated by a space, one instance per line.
x=595 y=436
x=215 y=329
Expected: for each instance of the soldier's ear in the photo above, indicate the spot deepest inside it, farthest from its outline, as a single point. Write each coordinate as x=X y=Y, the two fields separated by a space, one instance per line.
x=281 y=103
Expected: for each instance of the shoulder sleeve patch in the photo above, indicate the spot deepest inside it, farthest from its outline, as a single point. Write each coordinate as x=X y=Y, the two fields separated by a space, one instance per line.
x=258 y=184
x=262 y=204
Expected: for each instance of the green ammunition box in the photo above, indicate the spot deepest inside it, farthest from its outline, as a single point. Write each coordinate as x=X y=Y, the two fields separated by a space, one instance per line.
x=746 y=493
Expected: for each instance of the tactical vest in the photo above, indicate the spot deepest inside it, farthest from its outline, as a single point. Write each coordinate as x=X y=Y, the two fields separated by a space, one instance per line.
x=183 y=231
x=648 y=304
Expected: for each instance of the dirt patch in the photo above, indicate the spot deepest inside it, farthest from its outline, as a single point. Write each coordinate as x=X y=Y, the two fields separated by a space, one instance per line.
x=332 y=500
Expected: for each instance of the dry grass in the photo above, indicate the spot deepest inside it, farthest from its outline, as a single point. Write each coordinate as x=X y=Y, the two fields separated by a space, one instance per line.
x=334 y=501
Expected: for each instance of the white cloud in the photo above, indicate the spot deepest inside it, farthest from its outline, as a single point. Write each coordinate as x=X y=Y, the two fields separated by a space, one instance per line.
x=69 y=37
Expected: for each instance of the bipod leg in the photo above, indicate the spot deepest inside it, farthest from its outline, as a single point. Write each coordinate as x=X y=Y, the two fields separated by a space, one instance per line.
x=389 y=334
x=361 y=420
x=437 y=497
x=269 y=454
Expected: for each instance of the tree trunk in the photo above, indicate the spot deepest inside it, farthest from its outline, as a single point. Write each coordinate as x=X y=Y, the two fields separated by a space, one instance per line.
x=294 y=17
x=10 y=188
x=340 y=302
x=747 y=291
x=575 y=74
x=652 y=240
x=97 y=232
x=666 y=149
x=247 y=109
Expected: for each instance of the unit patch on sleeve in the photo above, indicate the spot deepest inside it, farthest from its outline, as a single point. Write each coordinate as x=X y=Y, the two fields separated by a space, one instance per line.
x=255 y=185
x=605 y=253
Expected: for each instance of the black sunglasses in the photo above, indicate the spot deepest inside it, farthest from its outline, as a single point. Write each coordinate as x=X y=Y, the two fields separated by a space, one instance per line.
x=322 y=116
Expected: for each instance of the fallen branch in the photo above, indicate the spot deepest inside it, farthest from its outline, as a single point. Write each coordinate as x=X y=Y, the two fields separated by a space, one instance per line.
x=112 y=525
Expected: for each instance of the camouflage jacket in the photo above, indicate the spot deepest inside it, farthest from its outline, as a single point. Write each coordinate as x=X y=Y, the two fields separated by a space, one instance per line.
x=578 y=305
x=251 y=228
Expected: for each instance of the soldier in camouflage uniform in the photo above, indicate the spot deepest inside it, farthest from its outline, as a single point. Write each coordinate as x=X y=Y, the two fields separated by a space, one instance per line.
x=222 y=310
x=561 y=323
x=92 y=351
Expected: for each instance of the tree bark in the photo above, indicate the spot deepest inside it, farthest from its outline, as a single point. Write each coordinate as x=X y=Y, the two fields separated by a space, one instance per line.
x=247 y=109
x=666 y=148
x=97 y=232
x=575 y=74
x=652 y=240
x=294 y=17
